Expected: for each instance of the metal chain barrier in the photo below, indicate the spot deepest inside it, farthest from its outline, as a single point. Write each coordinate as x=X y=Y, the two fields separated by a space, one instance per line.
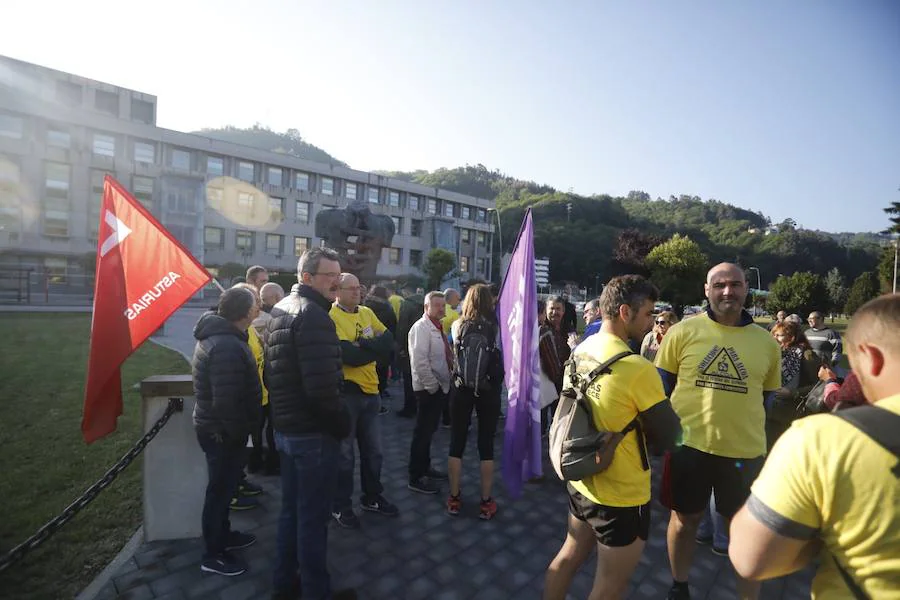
x=55 y=524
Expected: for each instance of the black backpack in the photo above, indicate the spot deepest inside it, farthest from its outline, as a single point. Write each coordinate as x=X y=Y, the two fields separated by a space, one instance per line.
x=474 y=352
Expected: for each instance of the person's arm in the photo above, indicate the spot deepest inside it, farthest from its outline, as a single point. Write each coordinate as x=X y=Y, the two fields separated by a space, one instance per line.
x=420 y=361
x=837 y=347
x=354 y=355
x=316 y=352
x=661 y=426
x=669 y=380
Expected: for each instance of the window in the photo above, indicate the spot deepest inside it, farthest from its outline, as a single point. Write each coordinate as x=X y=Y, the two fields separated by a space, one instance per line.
x=415 y=228
x=214 y=197
x=395 y=256
x=465 y=236
x=464 y=264
x=301 y=245
x=11 y=127
x=412 y=202
x=142 y=187
x=243 y=240
x=69 y=93
x=10 y=197
x=181 y=159
x=394 y=199
x=56 y=269
x=144 y=153
x=104 y=145
x=302 y=213
x=214 y=238
x=58 y=138
x=480 y=266
x=274 y=243
x=465 y=212
x=398 y=224
x=274 y=176
x=215 y=166
x=481 y=238
x=245 y=171
x=276 y=208
x=181 y=199
x=142 y=111
x=448 y=209
x=96 y=202
x=481 y=216
x=245 y=203
x=302 y=182
x=415 y=258
x=328 y=186
x=107 y=102
x=350 y=190
x=56 y=200
x=373 y=195
x=432 y=206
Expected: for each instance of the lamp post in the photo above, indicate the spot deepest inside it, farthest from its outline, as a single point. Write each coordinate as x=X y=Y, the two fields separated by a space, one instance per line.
x=758 y=278
x=500 y=240
x=896 y=248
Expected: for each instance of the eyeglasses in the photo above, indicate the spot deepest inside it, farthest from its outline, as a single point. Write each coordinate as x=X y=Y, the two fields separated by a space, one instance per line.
x=328 y=275
x=662 y=322
x=352 y=288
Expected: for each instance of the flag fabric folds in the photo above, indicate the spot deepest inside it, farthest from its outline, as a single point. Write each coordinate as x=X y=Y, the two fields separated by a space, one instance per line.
x=143 y=275
x=519 y=326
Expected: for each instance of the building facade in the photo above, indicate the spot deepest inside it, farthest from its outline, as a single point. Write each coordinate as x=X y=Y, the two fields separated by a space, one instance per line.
x=60 y=134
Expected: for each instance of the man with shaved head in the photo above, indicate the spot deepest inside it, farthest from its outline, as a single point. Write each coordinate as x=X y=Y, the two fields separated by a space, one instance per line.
x=717 y=369
x=831 y=486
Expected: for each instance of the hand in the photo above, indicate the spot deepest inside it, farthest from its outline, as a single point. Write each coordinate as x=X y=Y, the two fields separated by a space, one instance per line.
x=826 y=374
x=782 y=393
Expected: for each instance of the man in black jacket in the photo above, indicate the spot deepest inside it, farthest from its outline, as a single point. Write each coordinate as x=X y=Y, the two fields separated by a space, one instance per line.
x=410 y=312
x=228 y=393
x=303 y=374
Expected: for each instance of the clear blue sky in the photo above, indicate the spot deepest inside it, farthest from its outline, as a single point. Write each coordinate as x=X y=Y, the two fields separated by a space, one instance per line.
x=791 y=108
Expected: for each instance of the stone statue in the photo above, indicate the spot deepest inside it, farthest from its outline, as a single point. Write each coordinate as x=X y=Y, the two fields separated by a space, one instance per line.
x=357 y=235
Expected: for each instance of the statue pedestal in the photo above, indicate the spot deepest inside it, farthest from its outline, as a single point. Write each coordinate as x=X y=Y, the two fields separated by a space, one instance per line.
x=174 y=474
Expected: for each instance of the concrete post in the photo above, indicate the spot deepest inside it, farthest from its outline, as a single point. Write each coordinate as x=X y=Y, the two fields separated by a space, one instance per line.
x=174 y=478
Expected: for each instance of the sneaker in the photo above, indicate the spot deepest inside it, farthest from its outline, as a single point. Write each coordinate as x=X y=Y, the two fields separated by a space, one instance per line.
x=379 y=505
x=423 y=485
x=454 y=505
x=243 y=503
x=346 y=518
x=720 y=551
x=679 y=593
x=238 y=540
x=245 y=488
x=488 y=509
x=222 y=565
x=383 y=410
x=704 y=540
x=437 y=475
x=385 y=394
x=446 y=426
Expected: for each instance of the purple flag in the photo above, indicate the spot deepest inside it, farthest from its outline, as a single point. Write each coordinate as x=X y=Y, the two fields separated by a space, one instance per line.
x=519 y=327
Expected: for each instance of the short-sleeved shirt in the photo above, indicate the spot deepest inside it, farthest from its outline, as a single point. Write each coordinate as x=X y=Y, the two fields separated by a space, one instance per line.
x=395 y=302
x=616 y=398
x=722 y=374
x=351 y=326
x=826 y=479
x=450 y=316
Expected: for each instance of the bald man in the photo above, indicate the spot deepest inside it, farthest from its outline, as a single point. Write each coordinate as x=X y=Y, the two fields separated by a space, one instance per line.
x=832 y=481
x=717 y=369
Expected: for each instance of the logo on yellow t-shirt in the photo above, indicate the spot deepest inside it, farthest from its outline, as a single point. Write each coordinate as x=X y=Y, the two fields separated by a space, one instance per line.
x=722 y=369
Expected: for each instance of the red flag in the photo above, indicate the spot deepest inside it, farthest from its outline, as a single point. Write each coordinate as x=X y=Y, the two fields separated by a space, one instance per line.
x=143 y=276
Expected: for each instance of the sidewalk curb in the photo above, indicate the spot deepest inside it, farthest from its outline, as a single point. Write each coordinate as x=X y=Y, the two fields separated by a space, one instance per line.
x=124 y=555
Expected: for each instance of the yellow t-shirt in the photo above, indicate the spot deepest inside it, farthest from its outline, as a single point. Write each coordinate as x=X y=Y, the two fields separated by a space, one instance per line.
x=396 y=301
x=616 y=398
x=826 y=479
x=256 y=347
x=450 y=315
x=350 y=327
x=722 y=374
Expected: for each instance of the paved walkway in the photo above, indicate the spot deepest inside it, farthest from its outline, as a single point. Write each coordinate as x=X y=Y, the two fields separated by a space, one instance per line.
x=423 y=553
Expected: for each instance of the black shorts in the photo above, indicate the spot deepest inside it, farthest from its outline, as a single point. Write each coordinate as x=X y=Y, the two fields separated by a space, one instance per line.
x=694 y=475
x=614 y=526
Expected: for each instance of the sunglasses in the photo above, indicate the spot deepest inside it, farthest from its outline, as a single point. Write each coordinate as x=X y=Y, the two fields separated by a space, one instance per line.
x=662 y=322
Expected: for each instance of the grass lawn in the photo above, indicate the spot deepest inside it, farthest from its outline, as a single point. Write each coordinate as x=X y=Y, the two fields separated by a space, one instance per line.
x=45 y=462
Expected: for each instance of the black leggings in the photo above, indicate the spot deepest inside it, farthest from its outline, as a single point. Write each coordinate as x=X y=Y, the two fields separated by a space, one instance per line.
x=487 y=405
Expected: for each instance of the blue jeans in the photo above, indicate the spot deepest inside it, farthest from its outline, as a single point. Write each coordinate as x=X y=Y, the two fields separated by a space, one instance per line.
x=365 y=431
x=224 y=464
x=309 y=469
x=714 y=525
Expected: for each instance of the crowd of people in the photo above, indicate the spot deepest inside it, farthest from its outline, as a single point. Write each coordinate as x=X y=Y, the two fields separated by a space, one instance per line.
x=305 y=377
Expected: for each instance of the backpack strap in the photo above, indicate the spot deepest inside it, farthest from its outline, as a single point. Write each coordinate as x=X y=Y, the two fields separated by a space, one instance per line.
x=879 y=424
x=588 y=379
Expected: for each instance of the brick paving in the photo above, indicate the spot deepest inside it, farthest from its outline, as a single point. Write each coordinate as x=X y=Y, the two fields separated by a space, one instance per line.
x=424 y=553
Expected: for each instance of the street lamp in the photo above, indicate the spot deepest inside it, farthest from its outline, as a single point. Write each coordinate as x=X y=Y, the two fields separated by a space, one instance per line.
x=896 y=247
x=758 y=278
x=500 y=239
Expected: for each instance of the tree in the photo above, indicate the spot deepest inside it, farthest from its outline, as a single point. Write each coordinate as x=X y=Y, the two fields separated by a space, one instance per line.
x=864 y=288
x=677 y=267
x=894 y=211
x=836 y=289
x=800 y=293
x=438 y=263
x=230 y=270
x=631 y=250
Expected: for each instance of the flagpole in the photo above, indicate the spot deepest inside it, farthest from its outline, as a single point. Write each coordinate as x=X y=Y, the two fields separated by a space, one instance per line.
x=216 y=281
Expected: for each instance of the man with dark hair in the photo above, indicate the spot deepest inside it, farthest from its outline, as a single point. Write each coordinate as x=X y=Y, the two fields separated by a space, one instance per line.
x=554 y=351
x=410 y=312
x=825 y=341
x=719 y=369
x=592 y=318
x=257 y=276
x=303 y=373
x=611 y=510
x=570 y=315
x=830 y=488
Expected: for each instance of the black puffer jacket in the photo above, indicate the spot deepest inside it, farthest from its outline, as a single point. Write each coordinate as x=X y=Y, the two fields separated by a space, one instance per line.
x=411 y=310
x=304 y=371
x=384 y=311
x=226 y=380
